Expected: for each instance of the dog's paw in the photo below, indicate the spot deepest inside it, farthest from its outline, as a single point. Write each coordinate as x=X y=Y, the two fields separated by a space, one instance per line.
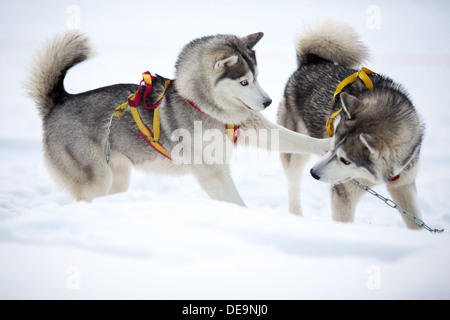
x=324 y=146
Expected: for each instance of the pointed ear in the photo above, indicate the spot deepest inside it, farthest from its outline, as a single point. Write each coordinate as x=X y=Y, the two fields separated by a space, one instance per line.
x=252 y=39
x=371 y=143
x=221 y=64
x=350 y=104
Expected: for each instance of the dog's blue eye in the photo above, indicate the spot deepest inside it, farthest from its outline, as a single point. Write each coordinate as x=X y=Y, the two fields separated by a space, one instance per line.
x=244 y=83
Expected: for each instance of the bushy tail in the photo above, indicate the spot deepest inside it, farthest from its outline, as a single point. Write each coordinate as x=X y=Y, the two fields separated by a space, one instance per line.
x=45 y=80
x=333 y=41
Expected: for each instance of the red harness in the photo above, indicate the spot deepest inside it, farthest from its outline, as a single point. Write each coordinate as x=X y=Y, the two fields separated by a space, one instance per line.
x=152 y=138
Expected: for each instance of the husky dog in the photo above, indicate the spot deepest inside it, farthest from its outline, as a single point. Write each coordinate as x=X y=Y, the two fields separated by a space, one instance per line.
x=216 y=84
x=378 y=133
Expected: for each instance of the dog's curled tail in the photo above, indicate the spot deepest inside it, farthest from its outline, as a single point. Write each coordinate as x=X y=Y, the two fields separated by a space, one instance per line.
x=333 y=41
x=50 y=65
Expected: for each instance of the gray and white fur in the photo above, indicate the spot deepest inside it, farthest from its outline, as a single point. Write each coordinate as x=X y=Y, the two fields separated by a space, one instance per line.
x=217 y=73
x=378 y=134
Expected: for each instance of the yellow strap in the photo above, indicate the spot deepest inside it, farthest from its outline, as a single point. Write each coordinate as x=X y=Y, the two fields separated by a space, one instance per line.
x=152 y=139
x=144 y=129
x=345 y=82
x=230 y=131
x=156 y=124
x=156 y=127
x=147 y=77
x=168 y=82
x=139 y=122
x=330 y=125
x=118 y=111
x=362 y=74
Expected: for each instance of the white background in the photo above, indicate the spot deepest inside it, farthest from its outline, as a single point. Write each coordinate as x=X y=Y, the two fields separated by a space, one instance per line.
x=165 y=239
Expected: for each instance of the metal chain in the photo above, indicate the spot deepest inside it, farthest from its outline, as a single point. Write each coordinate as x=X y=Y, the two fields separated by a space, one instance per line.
x=108 y=144
x=393 y=205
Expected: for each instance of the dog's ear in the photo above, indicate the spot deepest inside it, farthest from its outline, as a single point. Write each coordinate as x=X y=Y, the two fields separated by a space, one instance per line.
x=252 y=39
x=372 y=143
x=221 y=64
x=350 y=104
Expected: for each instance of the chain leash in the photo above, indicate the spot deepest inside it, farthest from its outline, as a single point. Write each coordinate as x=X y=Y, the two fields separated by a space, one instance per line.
x=393 y=205
x=108 y=143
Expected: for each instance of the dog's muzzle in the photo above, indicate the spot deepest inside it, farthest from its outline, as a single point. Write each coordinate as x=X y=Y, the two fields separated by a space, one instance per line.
x=267 y=103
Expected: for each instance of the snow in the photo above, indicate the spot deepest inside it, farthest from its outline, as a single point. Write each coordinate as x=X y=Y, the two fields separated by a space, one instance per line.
x=164 y=238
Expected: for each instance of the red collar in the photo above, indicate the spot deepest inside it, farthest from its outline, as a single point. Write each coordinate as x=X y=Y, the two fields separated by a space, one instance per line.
x=195 y=107
x=395 y=178
x=231 y=129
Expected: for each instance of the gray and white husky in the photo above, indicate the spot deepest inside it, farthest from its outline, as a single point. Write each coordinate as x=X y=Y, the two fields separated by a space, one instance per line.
x=378 y=134
x=216 y=84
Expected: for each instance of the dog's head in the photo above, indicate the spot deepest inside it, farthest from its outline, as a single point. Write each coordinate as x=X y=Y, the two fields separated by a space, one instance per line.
x=236 y=76
x=220 y=74
x=375 y=138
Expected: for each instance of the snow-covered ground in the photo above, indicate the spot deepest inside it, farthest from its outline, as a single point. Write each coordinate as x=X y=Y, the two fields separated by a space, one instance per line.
x=165 y=239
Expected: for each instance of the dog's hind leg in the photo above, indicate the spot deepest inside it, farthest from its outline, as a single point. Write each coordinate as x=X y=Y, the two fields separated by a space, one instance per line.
x=405 y=195
x=97 y=185
x=293 y=165
x=344 y=198
x=82 y=172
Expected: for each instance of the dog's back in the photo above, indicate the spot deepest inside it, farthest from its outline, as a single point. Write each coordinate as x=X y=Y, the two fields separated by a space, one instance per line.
x=326 y=55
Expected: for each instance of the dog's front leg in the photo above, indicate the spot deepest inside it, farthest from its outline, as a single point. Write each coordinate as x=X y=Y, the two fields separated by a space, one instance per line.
x=344 y=198
x=405 y=195
x=273 y=137
x=217 y=182
x=293 y=142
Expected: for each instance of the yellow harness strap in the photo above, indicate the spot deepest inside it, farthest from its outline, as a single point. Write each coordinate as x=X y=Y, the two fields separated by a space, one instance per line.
x=156 y=126
x=362 y=74
x=330 y=125
x=133 y=101
x=118 y=111
x=232 y=132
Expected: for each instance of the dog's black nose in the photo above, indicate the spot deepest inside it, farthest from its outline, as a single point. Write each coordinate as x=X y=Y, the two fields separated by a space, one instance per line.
x=267 y=103
x=315 y=176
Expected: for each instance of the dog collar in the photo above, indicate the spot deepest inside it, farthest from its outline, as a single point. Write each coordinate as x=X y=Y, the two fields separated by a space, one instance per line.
x=362 y=74
x=231 y=129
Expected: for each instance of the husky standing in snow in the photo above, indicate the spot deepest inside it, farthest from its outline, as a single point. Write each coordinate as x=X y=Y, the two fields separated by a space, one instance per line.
x=377 y=136
x=216 y=85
